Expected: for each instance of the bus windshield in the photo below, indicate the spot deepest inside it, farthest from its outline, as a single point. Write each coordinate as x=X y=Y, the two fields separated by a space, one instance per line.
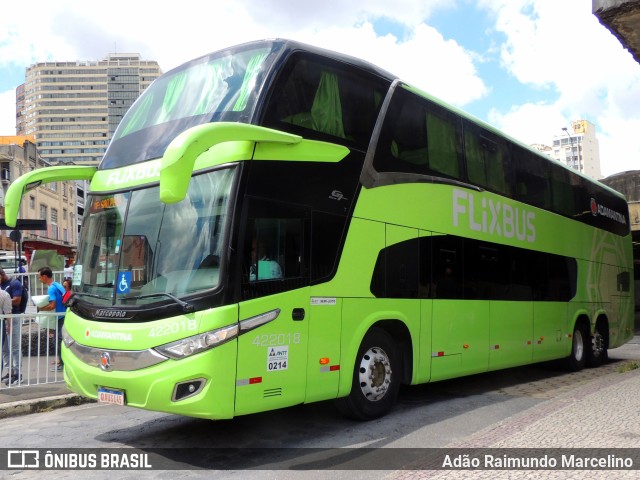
x=134 y=252
x=220 y=87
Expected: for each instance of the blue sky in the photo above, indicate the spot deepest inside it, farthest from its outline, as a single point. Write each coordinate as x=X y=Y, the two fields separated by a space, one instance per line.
x=527 y=67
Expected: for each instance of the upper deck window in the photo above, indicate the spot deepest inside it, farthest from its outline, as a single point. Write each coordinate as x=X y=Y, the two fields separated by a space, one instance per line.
x=321 y=98
x=419 y=137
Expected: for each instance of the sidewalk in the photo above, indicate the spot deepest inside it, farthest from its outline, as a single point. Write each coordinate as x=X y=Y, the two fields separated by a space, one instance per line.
x=597 y=416
x=37 y=398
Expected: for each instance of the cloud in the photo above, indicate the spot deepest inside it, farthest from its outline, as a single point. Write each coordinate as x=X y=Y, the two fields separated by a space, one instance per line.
x=561 y=47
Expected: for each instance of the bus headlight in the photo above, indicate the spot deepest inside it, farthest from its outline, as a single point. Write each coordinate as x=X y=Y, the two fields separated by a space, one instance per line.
x=66 y=338
x=198 y=343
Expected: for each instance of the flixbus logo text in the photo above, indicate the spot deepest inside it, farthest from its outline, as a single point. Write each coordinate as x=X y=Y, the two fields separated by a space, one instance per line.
x=492 y=217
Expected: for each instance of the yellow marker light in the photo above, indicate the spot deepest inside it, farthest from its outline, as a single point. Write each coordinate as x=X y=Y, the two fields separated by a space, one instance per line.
x=324 y=361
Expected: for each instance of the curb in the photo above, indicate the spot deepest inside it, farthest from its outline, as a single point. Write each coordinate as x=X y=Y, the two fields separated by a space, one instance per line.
x=37 y=405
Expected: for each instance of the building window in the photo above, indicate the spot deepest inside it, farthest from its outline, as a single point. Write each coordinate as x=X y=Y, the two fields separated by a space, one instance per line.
x=43 y=216
x=54 y=224
x=32 y=202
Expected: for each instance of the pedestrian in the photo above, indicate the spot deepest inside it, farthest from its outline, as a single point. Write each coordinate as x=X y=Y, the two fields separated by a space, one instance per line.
x=5 y=308
x=68 y=271
x=11 y=348
x=56 y=293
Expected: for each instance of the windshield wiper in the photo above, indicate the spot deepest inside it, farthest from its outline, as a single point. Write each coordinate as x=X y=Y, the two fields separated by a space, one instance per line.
x=72 y=300
x=186 y=307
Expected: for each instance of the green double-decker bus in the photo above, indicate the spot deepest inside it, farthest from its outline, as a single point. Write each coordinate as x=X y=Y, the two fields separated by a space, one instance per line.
x=275 y=224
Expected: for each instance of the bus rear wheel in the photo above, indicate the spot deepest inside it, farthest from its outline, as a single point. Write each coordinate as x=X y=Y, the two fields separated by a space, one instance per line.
x=376 y=378
x=580 y=342
x=597 y=354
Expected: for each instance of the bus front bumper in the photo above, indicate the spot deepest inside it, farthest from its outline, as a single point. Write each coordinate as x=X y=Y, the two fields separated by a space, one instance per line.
x=200 y=386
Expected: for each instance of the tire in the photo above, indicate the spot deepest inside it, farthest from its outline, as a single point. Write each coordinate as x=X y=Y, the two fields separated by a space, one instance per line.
x=597 y=354
x=376 y=378
x=579 y=348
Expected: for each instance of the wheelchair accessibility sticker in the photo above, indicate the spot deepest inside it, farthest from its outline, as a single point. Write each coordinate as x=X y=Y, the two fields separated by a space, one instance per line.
x=124 y=282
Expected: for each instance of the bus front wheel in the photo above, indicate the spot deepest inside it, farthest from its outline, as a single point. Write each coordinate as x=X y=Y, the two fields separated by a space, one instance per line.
x=580 y=342
x=376 y=378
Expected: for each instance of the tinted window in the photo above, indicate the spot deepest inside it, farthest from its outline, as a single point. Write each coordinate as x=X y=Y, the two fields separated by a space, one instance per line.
x=274 y=256
x=563 y=201
x=396 y=274
x=326 y=239
x=452 y=267
x=419 y=137
x=487 y=158
x=532 y=184
x=315 y=94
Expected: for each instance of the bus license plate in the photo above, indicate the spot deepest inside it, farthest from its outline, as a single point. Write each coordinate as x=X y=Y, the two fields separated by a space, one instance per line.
x=108 y=395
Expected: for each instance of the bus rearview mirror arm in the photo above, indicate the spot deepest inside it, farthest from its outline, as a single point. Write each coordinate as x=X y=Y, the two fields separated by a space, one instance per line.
x=181 y=154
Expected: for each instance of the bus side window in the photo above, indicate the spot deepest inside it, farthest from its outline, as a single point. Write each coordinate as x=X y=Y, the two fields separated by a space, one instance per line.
x=487 y=159
x=275 y=259
x=531 y=179
x=419 y=137
x=316 y=94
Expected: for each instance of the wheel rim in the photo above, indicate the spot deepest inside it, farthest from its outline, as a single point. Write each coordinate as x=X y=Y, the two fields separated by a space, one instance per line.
x=375 y=374
x=598 y=344
x=578 y=345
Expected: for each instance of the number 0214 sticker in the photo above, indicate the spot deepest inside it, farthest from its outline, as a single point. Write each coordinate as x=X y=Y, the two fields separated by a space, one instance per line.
x=277 y=358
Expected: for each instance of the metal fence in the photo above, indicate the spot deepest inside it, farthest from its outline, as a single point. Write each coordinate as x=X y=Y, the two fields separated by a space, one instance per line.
x=32 y=356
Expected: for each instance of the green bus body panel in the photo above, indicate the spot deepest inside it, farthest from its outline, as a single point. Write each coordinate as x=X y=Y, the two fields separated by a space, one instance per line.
x=275 y=353
x=324 y=359
x=152 y=388
x=550 y=331
x=601 y=256
x=460 y=338
x=305 y=150
x=36 y=177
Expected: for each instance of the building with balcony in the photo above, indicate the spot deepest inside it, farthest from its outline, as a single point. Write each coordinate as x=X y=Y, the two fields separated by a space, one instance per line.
x=578 y=148
x=54 y=202
x=73 y=108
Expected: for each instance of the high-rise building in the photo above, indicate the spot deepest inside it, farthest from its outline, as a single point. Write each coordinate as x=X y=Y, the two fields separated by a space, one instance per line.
x=73 y=108
x=578 y=148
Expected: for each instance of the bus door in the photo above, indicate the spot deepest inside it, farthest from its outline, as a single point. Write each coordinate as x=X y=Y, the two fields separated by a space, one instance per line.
x=274 y=313
x=272 y=358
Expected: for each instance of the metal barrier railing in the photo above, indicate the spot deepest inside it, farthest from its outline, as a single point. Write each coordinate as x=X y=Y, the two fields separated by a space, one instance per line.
x=31 y=357
x=31 y=347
